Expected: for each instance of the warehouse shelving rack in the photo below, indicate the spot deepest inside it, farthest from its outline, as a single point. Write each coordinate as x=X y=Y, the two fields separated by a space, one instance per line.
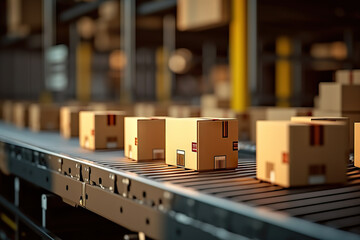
x=165 y=202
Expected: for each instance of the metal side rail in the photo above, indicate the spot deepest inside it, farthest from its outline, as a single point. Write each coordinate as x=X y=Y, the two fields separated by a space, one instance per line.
x=166 y=202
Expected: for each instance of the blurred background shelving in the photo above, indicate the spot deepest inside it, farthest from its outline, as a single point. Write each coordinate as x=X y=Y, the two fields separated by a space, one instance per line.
x=123 y=50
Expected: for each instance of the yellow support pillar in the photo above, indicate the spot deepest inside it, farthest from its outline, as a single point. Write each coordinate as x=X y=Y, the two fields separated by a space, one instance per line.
x=83 y=71
x=238 y=56
x=283 y=80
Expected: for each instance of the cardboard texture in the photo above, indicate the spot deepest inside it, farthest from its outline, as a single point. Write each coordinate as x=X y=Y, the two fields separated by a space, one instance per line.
x=303 y=154
x=345 y=120
x=212 y=101
x=352 y=116
x=348 y=76
x=255 y=114
x=101 y=129
x=69 y=120
x=44 y=117
x=144 y=138
x=150 y=109
x=21 y=114
x=207 y=145
x=338 y=97
x=181 y=111
x=357 y=145
x=243 y=119
x=278 y=113
x=201 y=14
x=7 y=111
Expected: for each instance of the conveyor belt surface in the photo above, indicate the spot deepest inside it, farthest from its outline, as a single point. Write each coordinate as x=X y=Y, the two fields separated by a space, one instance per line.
x=336 y=206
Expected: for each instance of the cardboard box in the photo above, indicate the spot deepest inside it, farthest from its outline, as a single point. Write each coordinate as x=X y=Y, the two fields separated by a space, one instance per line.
x=243 y=119
x=101 y=129
x=255 y=114
x=352 y=116
x=144 y=138
x=293 y=154
x=357 y=145
x=181 y=111
x=212 y=101
x=7 y=111
x=202 y=144
x=345 y=120
x=21 y=114
x=316 y=102
x=69 y=120
x=279 y=113
x=201 y=14
x=338 y=97
x=150 y=109
x=347 y=76
x=44 y=117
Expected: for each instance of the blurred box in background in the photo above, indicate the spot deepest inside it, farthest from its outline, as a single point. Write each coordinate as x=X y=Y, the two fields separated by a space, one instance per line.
x=44 y=117
x=21 y=114
x=7 y=111
x=212 y=101
x=347 y=76
x=278 y=113
x=181 y=111
x=338 y=97
x=69 y=120
x=202 y=14
x=150 y=109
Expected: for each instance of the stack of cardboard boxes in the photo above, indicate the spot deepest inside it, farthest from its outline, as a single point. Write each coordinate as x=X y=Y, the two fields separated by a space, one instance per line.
x=341 y=99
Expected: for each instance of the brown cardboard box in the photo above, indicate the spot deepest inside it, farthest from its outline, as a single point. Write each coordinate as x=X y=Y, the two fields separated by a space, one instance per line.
x=44 y=117
x=7 y=110
x=150 y=109
x=201 y=14
x=255 y=114
x=298 y=154
x=279 y=113
x=101 y=129
x=243 y=119
x=352 y=116
x=144 y=138
x=69 y=120
x=181 y=111
x=21 y=114
x=357 y=145
x=348 y=76
x=202 y=144
x=345 y=120
x=338 y=97
x=212 y=101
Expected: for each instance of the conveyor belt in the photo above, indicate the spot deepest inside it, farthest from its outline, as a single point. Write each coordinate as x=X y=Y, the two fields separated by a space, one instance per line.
x=336 y=206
